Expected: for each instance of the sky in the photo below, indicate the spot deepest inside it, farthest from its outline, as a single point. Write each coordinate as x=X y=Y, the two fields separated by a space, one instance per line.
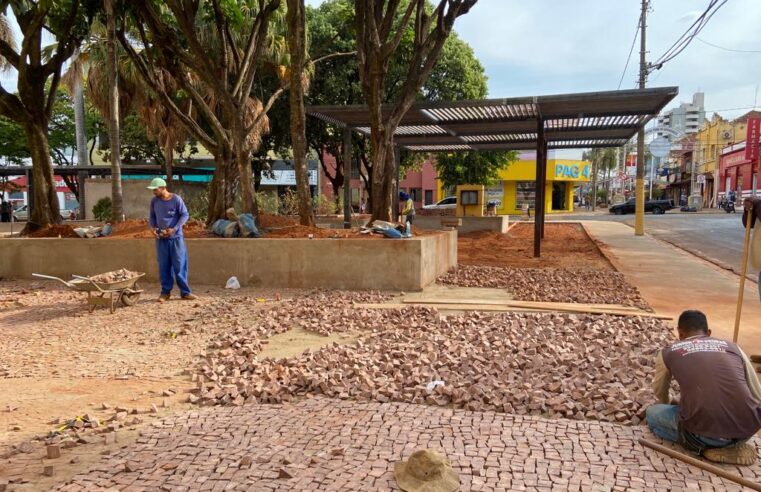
x=543 y=47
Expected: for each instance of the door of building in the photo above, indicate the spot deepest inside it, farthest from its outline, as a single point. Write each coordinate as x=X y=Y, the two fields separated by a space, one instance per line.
x=558 y=196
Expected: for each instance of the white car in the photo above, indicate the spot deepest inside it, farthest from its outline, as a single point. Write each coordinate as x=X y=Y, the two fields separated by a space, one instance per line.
x=446 y=203
x=22 y=214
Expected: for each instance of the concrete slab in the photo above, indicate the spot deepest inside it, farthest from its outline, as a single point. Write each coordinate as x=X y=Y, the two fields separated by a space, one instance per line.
x=362 y=264
x=672 y=280
x=452 y=293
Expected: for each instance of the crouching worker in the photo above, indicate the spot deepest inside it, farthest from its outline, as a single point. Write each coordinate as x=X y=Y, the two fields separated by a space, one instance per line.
x=720 y=407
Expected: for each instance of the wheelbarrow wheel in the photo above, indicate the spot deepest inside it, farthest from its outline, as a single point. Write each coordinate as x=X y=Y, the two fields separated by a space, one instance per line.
x=130 y=298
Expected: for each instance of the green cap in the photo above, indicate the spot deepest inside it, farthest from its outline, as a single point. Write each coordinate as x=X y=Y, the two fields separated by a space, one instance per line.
x=157 y=183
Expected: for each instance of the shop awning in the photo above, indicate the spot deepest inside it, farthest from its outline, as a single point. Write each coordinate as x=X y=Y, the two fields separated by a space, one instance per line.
x=581 y=120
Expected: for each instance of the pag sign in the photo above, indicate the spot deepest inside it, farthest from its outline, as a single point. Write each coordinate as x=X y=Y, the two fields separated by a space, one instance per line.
x=660 y=147
x=751 y=138
x=571 y=171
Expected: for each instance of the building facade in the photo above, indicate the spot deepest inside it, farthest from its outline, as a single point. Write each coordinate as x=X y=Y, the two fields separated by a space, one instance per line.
x=517 y=186
x=687 y=118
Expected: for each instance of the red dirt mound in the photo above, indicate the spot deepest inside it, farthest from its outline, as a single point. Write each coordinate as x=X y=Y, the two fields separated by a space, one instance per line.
x=266 y=220
x=564 y=246
x=55 y=230
x=139 y=229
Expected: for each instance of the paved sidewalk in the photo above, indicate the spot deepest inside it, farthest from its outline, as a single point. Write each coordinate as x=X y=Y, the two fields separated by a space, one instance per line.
x=672 y=280
x=324 y=444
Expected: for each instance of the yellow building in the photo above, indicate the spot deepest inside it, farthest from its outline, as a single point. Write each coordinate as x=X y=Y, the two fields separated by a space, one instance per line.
x=715 y=134
x=518 y=187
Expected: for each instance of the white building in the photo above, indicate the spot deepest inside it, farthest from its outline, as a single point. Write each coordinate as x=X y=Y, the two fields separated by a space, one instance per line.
x=686 y=118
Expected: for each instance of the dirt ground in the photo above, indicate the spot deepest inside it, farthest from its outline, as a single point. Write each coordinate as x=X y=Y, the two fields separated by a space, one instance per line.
x=273 y=226
x=564 y=246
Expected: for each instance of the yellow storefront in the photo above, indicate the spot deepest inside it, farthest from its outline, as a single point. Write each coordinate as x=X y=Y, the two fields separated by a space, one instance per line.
x=518 y=187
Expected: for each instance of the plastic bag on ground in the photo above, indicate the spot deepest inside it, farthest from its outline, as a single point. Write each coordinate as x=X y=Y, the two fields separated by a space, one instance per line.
x=232 y=283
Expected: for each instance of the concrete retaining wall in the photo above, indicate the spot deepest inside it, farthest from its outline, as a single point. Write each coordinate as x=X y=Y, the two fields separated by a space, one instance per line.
x=498 y=223
x=364 y=264
x=137 y=198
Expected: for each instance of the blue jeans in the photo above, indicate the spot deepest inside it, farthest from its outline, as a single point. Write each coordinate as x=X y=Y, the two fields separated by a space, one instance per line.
x=173 y=264
x=663 y=420
x=759 y=286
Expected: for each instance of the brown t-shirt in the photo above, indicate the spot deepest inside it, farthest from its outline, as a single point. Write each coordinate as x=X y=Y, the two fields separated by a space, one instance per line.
x=715 y=398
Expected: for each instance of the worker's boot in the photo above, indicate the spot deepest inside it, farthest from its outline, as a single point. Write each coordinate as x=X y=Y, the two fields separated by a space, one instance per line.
x=189 y=297
x=163 y=298
x=737 y=454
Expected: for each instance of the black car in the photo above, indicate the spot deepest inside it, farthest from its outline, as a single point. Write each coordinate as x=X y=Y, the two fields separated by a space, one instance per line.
x=654 y=206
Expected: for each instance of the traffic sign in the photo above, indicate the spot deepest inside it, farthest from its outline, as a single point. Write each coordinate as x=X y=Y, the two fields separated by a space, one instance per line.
x=660 y=147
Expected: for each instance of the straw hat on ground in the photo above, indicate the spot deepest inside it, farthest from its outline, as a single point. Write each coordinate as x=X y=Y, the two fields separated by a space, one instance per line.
x=426 y=471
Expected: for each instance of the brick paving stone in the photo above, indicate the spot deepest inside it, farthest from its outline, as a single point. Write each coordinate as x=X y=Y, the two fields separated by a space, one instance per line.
x=204 y=450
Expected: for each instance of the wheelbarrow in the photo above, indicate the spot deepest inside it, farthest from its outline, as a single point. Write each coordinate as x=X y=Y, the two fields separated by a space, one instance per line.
x=103 y=293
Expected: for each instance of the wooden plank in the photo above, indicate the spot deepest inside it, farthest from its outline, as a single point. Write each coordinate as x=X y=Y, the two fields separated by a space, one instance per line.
x=508 y=308
x=512 y=302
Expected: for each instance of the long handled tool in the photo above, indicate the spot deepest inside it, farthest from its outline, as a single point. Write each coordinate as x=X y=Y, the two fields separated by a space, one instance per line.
x=743 y=272
x=701 y=464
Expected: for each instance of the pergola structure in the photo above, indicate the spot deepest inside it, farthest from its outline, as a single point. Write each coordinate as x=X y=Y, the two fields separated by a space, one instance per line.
x=541 y=123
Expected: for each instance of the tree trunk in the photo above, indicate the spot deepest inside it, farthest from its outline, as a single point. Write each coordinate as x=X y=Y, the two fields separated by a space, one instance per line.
x=45 y=209
x=383 y=177
x=117 y=207
x=243 y=161
x=169 y=164
x=81 y=134
x=296 y=46
x=594 y=185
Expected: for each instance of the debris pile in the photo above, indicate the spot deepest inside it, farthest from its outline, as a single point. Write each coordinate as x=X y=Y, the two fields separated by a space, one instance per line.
x=115 y=276
x=561 y=365
x=325 y=313
x=550 y=285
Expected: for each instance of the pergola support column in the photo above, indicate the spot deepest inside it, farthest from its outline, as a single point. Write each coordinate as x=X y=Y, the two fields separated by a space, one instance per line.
x=541 y=183
x=347 y=177
x=398 y=166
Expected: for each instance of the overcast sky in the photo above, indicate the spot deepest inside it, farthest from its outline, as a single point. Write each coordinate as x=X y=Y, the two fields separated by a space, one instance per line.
x=554 y=46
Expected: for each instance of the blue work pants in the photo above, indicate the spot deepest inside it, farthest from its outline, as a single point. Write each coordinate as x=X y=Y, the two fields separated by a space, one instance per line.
x=663 y=420
x=173 y=264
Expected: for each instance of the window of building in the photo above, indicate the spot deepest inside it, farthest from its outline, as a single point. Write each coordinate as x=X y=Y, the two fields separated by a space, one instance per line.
x=525 y=194
x=428 y=197
x=416 y=194
x=469 y=197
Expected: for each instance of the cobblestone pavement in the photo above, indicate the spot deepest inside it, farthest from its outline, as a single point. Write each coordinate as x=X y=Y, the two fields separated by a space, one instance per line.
x=326 y=444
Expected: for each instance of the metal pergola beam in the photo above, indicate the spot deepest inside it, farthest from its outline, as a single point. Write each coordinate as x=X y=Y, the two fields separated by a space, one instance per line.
x=565 y=121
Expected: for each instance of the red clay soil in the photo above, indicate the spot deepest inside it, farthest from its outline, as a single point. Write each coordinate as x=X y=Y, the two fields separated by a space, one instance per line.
x=267 y=220
x=564 y=246
x=139 y=229
x=55 y=230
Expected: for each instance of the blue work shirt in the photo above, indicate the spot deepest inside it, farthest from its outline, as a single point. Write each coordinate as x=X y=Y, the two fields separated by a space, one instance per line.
x=168 y=213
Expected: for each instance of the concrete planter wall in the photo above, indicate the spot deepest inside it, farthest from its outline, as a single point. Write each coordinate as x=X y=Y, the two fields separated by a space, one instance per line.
x=495 y=223
x=383 y=264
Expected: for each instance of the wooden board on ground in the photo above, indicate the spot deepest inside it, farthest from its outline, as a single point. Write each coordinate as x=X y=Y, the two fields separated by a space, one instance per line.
x=519 y=306
x=515 y=303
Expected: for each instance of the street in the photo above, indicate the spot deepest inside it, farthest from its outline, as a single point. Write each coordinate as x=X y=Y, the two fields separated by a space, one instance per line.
x=718 y=237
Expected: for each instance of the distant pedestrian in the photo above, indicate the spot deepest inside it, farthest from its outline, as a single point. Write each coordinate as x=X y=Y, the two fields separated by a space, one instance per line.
x=408 y=209
x=167 y=216
x=587 y=203
x=363 y=206
x=753 y=206
x=5 y=211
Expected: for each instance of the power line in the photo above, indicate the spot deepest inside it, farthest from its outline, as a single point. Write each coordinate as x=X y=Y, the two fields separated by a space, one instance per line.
x=691 y=33
x=631 y=50
x=727 y=49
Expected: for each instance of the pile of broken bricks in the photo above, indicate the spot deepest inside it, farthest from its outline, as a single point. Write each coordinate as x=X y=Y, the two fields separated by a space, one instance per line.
x=557 y=365
x=550 y=284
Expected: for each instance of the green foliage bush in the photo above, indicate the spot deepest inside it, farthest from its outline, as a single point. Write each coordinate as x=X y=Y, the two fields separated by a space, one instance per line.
x=102 y=209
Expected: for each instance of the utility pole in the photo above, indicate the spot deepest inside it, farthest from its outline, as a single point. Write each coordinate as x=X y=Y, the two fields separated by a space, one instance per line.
x=639 y=206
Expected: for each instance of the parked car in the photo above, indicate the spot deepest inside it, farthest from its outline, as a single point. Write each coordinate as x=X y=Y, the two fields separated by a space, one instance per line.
x=448 y=202
x=21 y=214
x=655 y=206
